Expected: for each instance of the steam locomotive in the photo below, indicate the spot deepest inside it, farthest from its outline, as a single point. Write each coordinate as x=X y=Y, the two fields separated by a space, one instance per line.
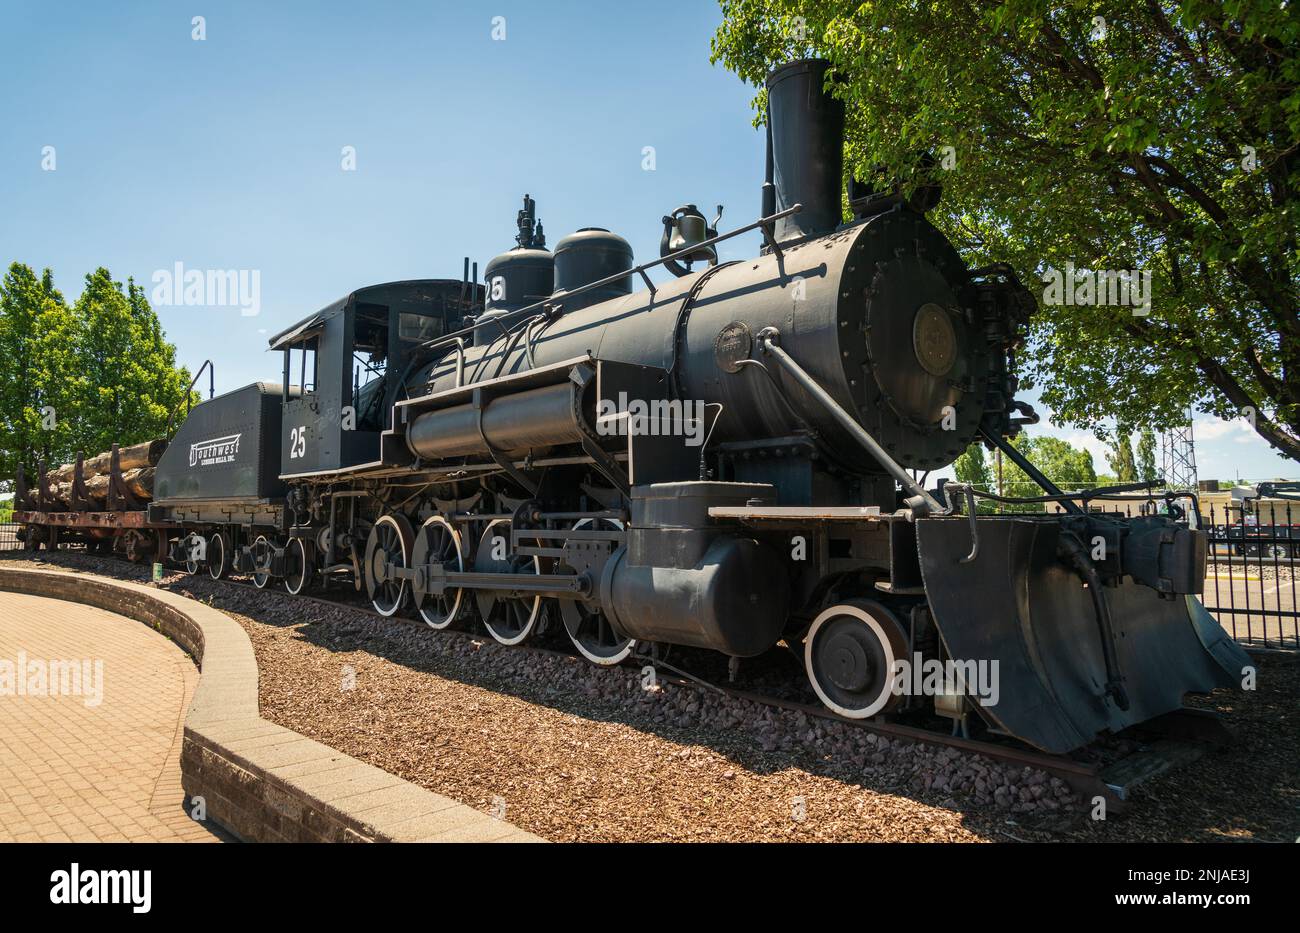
x=728 y=459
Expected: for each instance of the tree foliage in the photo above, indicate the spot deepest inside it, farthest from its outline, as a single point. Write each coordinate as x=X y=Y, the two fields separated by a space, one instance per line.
x=1147 y=470
x=972 y=467
x=102 y=366
x=38 y=337
x=1158 y=136
x=1121 y=459
x=1067 y=466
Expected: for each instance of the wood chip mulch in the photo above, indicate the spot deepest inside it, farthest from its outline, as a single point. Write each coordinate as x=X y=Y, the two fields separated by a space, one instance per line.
x=572 y=752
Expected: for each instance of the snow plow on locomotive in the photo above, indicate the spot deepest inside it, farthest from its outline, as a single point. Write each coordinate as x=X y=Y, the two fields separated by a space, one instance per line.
x=725 y=460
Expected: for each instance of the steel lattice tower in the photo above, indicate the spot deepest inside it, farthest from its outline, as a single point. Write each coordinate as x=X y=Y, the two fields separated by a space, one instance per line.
x=1178 y=460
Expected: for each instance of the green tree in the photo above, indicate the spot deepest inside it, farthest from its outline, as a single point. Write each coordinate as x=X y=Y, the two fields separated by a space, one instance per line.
x=131 y=383
x=1157 y=136
x=80 y=378
x=1067 y=466
x=1146 y=456
x=39 y=372
x=973 y=467
x=1121 y=459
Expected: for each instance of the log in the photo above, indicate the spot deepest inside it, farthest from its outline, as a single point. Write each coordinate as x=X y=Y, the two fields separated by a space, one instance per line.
x=97 y=488
x=139 y=482
x=135 y=457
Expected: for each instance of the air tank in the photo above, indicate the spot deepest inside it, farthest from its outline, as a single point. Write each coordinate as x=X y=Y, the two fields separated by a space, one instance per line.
x=589 y=255
x=519 y=277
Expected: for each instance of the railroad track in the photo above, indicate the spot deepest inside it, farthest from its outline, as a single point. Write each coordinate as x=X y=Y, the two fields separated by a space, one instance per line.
x=1174 y=739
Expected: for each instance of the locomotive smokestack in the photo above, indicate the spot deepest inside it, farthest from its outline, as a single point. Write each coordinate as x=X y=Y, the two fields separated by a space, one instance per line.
x=805 y=148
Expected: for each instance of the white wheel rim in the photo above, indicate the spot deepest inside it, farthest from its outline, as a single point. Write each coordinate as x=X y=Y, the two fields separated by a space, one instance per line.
x=533 y=616
x=876 y=629
x=260 y=580
x=406 y=558
x=602 y=660
x=306 y=571
x=192 y=566
x=216 y=568
x=460 y=565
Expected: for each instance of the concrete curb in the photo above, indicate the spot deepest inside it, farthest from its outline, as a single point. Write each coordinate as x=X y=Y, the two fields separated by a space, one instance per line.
x=261 y=781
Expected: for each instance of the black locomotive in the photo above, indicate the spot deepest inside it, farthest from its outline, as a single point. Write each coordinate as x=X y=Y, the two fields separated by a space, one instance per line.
x=723 y=460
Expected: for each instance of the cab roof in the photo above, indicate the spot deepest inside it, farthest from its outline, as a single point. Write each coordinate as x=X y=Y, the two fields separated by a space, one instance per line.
x=432 y=292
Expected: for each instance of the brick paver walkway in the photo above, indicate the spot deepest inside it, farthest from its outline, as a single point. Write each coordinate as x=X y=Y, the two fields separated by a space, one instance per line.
x=75 y=770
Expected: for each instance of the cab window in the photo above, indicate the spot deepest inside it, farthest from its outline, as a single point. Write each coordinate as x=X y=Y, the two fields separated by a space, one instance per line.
x=418 y=327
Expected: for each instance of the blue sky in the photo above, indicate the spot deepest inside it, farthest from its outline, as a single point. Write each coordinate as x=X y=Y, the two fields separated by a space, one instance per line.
x=226 y=153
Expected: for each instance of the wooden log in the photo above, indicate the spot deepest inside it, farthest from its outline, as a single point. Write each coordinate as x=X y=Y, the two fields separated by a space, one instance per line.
x=140 y=482
x=97 y=488
x=134 y=457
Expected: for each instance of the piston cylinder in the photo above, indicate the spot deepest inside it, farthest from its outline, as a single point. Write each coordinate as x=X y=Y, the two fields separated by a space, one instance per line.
x=685 y=580
x=735 y=600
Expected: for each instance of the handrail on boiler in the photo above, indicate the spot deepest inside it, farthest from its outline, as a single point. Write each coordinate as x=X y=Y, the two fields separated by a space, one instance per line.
x=766 y=223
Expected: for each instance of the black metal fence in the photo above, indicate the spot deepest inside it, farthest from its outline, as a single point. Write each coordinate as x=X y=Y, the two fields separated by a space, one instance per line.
x=1250 y=582
x=1250 y=574
x=9 y=536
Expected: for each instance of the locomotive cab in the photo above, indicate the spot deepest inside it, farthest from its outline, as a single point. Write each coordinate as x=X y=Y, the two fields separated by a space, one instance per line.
x=351 y=361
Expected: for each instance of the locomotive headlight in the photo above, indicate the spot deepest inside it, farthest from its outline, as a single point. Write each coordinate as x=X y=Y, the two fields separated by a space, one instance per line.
x=933 y=340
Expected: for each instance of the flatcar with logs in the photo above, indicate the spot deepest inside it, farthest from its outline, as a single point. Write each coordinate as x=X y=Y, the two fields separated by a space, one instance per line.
x=730 y=458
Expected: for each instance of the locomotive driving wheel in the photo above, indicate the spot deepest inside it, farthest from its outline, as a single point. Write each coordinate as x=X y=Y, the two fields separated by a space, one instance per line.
x=262 y=550
x=509 y=620
x=390 y=543
x=849 y=652
x=438 y=542
x=588 y=627
x=218 y=555
x=297 y=565
x=195 y=552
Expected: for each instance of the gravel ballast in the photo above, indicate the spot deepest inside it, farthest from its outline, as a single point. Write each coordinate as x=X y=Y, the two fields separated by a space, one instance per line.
x=573 y=752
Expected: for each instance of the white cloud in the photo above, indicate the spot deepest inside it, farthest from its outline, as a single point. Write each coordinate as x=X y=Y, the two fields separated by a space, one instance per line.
x=1210 y=429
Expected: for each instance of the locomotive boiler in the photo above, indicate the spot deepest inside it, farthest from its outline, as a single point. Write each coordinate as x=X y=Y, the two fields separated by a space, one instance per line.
x=731 y=458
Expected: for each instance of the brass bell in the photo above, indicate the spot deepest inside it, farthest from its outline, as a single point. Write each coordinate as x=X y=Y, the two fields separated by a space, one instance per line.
x=684 y=229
